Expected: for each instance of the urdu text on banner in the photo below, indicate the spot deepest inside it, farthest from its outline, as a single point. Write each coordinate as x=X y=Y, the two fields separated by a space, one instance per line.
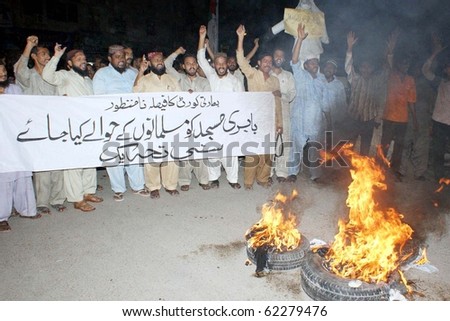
x=59 y=132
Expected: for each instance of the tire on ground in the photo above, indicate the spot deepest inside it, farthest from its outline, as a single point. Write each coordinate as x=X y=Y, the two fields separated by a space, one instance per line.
x=322 y=285
x=282 y=261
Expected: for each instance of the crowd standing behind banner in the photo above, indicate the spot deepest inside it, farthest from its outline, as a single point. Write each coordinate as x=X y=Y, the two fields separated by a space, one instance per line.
x=311 y=103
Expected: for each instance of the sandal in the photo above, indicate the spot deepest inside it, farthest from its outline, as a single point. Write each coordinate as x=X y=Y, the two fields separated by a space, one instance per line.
x=4 y=226
x=83 y=206
x=32 y=217
x=235 y=185
x=118 y=197
x=59 y=207
x=184 y=188
x=43 y=210
x=172 y=191
x=205 y=186
x=154 y=194
x=92 y=198
x=142 y=192
x=215 y=184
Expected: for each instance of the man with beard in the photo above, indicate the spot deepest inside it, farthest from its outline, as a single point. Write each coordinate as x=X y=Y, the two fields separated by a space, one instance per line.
x=49 y=185
x=308 y=113
x=258 y=167
x=157 y=80
x=220 y=80
x=81 y=183
x=233 y=67
x=288 y=93
x=189 y=81
x=118 y=78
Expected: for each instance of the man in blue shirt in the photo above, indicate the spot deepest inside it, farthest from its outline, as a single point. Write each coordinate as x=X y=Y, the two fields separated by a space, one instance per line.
x=118 y=78
x=309 y=116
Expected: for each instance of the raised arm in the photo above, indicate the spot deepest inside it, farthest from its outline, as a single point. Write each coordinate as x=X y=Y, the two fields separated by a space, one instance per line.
x=22 y=71
x=301 y=34
x=142 y=68
x=255 y=48
x=240 y=31
x=170 y=60
x=426 y=68
x=204 y=64
x=349 y=69
x=201 y=37
x=49 y=73
x=390 y=47
x=243 y=63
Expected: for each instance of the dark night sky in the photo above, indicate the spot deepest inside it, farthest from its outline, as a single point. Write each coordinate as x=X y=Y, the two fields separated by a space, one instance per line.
x=371 y=20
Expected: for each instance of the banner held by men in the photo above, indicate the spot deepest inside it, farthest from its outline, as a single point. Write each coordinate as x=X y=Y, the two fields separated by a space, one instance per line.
x=59 y=132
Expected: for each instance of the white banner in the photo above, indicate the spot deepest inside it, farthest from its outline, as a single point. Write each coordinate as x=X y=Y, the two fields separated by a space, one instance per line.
x=58 y=132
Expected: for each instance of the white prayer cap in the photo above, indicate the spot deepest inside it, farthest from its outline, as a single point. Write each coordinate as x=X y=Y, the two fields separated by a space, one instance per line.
x=310 y=56
x=332 y=61
x=115 y=48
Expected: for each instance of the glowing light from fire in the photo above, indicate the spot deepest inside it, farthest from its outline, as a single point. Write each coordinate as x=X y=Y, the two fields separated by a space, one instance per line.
x=383 y=157
x=442 y=181
x=368 y=246
x=277 y=227
x=423 y=259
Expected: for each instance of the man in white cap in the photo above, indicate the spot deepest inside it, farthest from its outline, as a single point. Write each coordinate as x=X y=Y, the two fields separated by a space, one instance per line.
x=308 y=114
x=158 y=174
x=118 y=78
x=80 y=183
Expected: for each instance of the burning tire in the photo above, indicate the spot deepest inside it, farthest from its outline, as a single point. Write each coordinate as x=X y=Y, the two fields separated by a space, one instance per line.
x=282 y=261
x=322 y=285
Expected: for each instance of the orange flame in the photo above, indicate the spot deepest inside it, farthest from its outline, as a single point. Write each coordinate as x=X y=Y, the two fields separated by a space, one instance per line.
x=277 y=227
x=423 y=258
x=442 y=181
x=368 y=245
x=383 y=157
